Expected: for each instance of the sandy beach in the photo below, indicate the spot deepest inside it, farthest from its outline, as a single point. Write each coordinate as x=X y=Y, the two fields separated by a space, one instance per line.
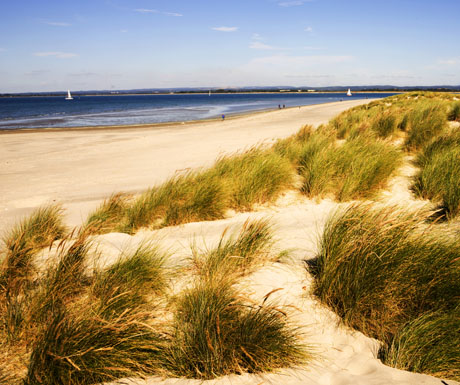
x=80 y=168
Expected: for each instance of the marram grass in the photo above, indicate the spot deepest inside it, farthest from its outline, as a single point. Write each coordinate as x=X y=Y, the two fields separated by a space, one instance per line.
x=439 y=174
x=236 y=254
x=428 y=344
x=382 y=268
x=216 y=333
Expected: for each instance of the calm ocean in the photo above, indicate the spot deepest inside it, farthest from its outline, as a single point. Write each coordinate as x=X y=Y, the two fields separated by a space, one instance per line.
x=41 y=112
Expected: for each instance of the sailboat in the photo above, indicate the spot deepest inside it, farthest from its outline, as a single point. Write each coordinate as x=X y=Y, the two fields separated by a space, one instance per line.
x=69 y=97
x=209 y=93
x=349 y=92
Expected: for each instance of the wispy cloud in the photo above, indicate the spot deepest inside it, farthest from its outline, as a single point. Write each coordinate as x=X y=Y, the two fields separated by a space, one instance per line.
x=57 y=23
x=123 y=30
x=449 y=62
x=308 y=29
x=293 y=3
x=225 y=29
x=59 y=55
x=260 y=45
x=174 y=14
x=256 y=36
x=146 y=10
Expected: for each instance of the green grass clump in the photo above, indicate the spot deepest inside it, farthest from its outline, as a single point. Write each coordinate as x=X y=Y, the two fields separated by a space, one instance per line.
x=194 y=196
x=216 y=333
x=18 y=270
x=429 y=344
x=86 y=349
x=35 y=232
x=236 y=181
x=454 y=112
x=98 y=328
x=109 y=216
x=384 y=124
x=426 y=121
x=237 y=254
x=381 y=268
x=255 y=176
x=439 y=174
x=131 y=281
x=354 y=170
x=62 y=281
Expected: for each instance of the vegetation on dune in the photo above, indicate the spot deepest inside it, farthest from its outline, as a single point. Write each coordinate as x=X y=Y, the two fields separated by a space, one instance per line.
x=215 y=333
x=238 y=181
x=237 y=254
x=439 y=174
x=425 y=122
x=130 y=282
x=83 y=325
x=255 y=176
x=352 y=170
x=428 y=344
x=380 y=269
x=84 y=348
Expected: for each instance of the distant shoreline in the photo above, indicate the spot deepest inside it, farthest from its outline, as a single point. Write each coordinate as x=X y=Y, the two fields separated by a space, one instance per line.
x=77 y=93
x=159 y=125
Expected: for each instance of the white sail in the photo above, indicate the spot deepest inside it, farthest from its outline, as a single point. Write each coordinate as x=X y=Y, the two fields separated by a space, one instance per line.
x=349 y=92
x=69 y=96
x=209 y=93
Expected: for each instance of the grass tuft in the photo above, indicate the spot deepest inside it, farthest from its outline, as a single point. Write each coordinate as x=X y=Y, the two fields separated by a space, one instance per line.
x=86 y=349
x=439 y=174
x=130 y=282
x=254 y=176
x=382 y=268
x=107 y=217
x=215 y=333
x=237 y=254
x=428 y=344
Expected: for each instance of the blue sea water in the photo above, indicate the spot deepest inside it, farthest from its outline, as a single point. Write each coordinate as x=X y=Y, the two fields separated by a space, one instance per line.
x=44 y=112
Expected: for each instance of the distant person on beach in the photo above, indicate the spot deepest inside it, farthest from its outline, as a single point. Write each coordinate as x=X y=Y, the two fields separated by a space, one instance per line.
x=279 y=106
x=284 y=106
x=223 y=117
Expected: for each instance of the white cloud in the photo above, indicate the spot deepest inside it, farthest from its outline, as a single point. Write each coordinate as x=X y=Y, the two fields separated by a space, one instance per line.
x=175 y=14
x=59 y=55
x=256 y=36
x=225 y=29
x=308 y=29
x=144 y=10
x=123 y=30
x=57 y=23
x=293 y=3
x=260 y=45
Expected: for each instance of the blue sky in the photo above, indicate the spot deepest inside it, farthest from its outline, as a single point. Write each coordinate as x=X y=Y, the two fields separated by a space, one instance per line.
x=122 y=44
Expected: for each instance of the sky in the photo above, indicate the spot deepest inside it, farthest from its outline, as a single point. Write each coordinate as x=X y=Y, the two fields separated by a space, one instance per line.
x=54 y=45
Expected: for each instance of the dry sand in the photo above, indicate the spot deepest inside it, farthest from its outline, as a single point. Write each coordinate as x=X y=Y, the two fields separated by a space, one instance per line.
x=79 y=168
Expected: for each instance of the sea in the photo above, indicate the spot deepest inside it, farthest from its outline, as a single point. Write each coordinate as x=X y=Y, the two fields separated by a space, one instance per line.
x=111 y=110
